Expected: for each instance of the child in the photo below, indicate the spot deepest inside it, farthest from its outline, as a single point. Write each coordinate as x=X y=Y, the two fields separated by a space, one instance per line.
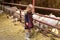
x=28 y=21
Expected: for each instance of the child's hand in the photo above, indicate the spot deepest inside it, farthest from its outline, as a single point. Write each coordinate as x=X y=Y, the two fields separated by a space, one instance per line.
x=27 y=23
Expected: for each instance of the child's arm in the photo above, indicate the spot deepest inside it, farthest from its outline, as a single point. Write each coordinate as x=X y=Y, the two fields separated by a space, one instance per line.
x=26 y=19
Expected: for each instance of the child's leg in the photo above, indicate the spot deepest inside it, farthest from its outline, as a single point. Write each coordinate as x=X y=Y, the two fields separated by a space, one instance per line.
x=27 y=34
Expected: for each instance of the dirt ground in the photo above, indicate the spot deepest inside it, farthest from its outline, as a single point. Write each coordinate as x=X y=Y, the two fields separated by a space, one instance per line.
x=8 y=31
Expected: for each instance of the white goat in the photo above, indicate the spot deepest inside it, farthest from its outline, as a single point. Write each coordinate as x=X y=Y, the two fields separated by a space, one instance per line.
x=34 y=16
x=47 y=20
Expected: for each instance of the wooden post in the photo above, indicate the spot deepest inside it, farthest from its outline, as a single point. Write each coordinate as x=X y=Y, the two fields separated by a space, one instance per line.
x=20 y=16
x=33 y=6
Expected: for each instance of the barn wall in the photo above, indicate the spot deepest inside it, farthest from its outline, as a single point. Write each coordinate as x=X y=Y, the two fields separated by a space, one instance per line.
x=44 y=3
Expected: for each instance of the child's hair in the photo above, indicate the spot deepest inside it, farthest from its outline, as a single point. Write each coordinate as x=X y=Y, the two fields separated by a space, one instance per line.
x=29 y=6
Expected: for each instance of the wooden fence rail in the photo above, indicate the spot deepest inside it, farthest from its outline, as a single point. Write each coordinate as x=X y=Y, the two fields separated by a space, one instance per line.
x=44 y=8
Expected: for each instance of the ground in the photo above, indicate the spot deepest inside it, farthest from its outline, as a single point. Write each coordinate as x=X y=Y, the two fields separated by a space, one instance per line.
x=8 y=31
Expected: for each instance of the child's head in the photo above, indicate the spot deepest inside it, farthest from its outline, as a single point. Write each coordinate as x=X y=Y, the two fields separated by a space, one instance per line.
x=29 y=7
